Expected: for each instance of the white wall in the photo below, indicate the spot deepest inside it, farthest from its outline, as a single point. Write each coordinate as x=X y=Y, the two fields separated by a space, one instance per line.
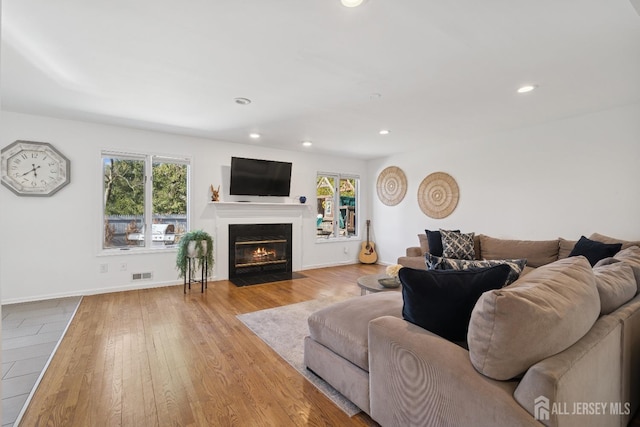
x=51 y=246
x=566 y=178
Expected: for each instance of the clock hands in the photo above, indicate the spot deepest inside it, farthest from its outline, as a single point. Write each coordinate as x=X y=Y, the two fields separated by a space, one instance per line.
x=34 y=170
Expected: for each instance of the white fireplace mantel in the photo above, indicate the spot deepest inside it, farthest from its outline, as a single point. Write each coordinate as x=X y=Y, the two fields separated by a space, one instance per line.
x=233 y=209
x=226 y=213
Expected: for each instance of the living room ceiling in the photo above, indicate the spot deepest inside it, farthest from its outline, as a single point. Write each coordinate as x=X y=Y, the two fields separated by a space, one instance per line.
x=431 y=72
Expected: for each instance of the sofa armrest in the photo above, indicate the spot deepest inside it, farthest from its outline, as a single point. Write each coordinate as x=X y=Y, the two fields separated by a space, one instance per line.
x=419 y=378
x=416 y=262
x=414 y=251
x=588 y=371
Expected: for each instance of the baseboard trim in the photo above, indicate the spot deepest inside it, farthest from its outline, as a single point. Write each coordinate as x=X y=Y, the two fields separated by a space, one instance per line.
x=138 y=286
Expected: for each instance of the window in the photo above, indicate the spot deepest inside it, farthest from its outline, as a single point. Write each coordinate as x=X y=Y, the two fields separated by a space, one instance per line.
x=145 y=200
x=337 y=209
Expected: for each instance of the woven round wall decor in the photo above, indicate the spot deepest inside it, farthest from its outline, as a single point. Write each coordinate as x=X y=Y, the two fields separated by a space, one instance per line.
x=391 y=186
x=438 y=195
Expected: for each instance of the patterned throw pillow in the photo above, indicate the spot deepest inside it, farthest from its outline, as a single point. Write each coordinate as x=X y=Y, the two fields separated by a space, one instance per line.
x=457 y=245
x=439 y=263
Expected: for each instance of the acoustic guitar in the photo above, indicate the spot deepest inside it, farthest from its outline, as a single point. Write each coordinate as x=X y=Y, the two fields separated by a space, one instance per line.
x=368 y=253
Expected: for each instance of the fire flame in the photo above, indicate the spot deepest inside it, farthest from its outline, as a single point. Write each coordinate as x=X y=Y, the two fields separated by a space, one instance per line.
x=261 y=253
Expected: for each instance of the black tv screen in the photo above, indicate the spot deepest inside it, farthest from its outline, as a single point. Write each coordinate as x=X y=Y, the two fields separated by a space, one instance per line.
x=255 y=177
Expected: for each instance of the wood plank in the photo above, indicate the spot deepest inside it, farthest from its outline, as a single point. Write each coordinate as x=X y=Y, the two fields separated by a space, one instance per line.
x=158 y=357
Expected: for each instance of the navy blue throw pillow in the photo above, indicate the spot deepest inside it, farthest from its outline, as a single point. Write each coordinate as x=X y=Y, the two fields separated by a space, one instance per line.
x=441 y=301
x=434 y=239
x=595 y=251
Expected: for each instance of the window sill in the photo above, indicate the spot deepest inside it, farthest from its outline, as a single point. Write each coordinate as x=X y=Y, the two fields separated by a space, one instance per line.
x=136 y=251
x=337 y=239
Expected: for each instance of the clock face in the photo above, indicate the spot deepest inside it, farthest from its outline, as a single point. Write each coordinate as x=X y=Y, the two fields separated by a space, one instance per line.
x=34 y=168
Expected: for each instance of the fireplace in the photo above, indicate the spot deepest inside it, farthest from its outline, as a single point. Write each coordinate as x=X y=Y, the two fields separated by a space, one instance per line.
x=259 y=253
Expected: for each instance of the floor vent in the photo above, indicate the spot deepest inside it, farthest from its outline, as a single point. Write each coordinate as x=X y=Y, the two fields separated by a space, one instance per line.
x=141 y=276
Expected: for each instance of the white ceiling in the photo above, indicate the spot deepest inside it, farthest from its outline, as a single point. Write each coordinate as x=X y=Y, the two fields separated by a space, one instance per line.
x=445 y=70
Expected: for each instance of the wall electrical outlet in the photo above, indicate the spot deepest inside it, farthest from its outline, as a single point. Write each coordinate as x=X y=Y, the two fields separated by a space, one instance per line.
x=104 y=268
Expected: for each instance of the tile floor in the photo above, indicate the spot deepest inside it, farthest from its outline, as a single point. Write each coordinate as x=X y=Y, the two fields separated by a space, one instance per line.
x=30 y=334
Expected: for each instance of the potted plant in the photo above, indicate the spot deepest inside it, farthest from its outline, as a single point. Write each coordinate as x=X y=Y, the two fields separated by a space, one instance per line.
x=196 y=244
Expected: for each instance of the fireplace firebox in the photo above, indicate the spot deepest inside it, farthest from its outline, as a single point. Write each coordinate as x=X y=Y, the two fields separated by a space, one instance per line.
x=259 y=253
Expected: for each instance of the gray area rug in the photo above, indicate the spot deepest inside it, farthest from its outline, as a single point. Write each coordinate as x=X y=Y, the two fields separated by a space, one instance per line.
x=283 y=329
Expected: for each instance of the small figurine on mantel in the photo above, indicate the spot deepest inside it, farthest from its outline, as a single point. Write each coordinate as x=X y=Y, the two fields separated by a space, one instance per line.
x=215 y=194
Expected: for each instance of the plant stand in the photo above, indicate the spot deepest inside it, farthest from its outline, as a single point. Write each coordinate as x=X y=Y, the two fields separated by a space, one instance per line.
x=191 y=263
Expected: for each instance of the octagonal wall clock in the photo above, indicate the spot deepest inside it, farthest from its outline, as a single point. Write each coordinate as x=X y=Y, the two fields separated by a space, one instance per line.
x=33 y=168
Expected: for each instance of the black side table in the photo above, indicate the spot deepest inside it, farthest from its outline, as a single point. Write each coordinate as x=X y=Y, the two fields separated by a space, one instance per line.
x=191 y=263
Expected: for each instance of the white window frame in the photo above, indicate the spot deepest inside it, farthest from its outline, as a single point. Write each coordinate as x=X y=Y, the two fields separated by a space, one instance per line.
x=149 y=159
x=336 y=207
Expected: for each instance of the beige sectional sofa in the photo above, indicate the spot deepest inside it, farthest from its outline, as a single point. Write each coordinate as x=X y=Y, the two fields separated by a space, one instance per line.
x=541 y=346
x=537 y=252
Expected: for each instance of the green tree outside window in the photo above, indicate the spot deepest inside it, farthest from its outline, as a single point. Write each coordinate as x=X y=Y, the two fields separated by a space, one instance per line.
x=131 y=195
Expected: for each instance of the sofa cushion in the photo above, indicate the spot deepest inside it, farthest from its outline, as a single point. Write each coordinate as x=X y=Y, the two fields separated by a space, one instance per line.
x=537 y=316
x=536 y=252
x=457 y=245
x=435 y=241
x=439 y=263
x=441 y=301
x=606 y=239
x=343 y=327
x=631 y=256
x=526 y=270
x=565 y=247
x=616 y=285
x=606 y=261
x=424 y=243
x=593 y=250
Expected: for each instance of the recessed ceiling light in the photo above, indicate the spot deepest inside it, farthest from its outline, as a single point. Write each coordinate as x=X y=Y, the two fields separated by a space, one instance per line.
x=526 y=88
x=254 y=135
x=307 y=143
x=351 y=3
x=242 y=101
x=384 y=132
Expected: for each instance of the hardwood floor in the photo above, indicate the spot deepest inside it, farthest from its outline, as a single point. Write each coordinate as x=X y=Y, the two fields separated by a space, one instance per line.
x=158 y=357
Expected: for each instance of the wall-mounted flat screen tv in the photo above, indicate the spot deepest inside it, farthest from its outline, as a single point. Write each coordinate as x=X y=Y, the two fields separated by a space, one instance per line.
x=255 y=177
